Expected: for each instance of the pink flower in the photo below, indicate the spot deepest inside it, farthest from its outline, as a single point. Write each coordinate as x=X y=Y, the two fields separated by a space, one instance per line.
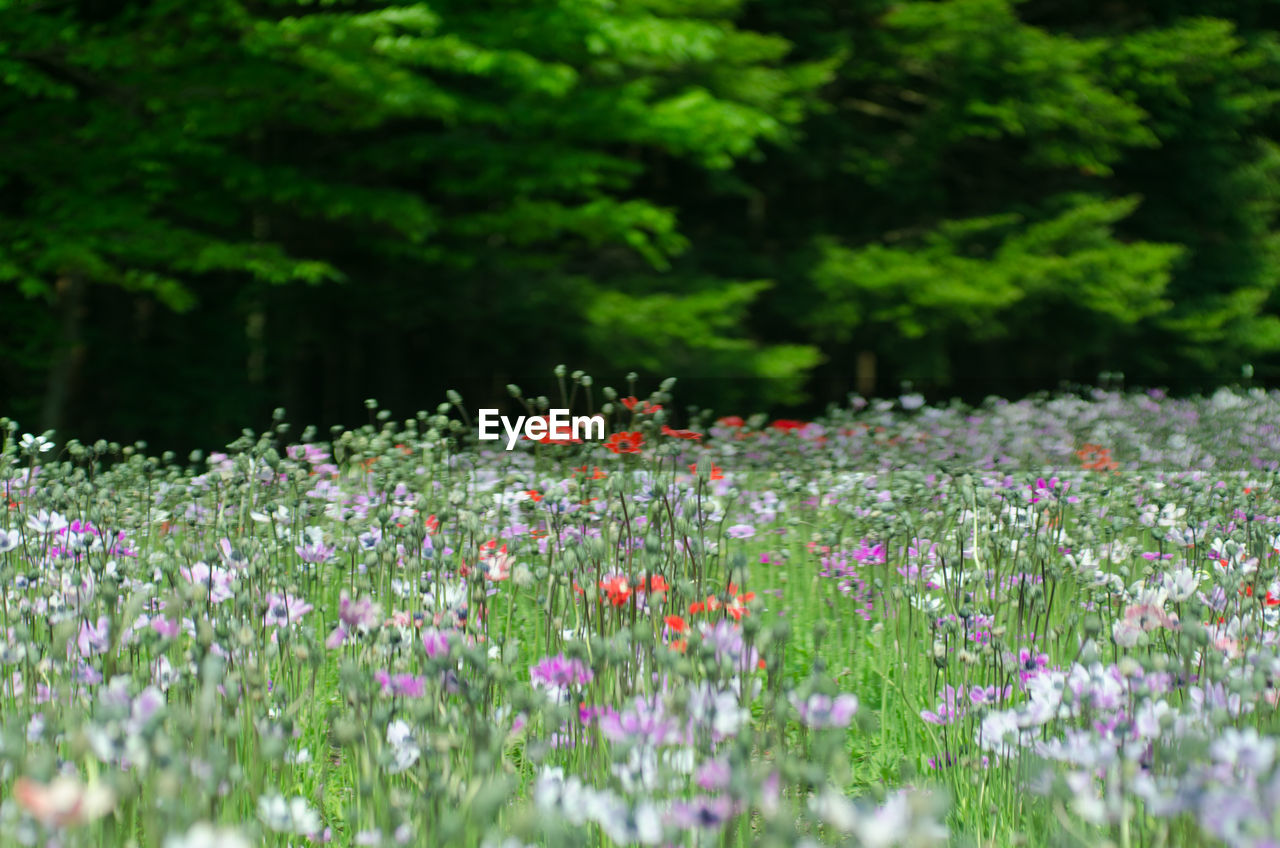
x=63 y=802
x=436 y=642
x=285 y=609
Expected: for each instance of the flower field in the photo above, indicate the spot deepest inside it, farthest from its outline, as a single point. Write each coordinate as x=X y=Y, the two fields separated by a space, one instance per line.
x=1045 y=622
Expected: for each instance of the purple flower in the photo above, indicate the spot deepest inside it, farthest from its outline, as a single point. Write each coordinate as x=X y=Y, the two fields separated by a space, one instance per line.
x=821 y=711
x=408 y=685
x=1030 y=663
x=337 y=638
x=948 y=711
x=741 y=531
x=560 y=671
x=315 y=552
x=436 y=642
x=645 y=720
x=706 y=812
x=216 y=578
x=713 y=775
x=163 y=626
x=94 y=638
x=362 y=614
x=284 y=609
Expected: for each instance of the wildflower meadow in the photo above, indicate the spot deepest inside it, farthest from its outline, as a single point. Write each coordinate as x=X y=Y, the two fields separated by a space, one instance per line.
x=1052 y=621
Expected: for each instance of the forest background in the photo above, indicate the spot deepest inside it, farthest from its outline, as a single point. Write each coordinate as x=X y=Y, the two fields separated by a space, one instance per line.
x=210 y=209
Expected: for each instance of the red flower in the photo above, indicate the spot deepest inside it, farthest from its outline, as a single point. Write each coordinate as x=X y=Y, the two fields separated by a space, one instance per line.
x=625 y=442
x=596 y=473
x=432 y=524
x=731 y=421
x=717 y=473
x=1096 y=458
x=788 y=425
x=680 y=434
x=617 y=588
x=646 y=408
x=738 y=606
x=657 y=583
x=534 y=495
x=676 y=623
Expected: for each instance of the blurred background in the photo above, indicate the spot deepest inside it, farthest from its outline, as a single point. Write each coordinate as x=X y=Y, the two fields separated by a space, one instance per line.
x=209 y=209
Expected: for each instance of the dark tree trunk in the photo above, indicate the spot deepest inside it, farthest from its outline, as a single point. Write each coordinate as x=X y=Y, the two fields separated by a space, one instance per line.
x=70 y=354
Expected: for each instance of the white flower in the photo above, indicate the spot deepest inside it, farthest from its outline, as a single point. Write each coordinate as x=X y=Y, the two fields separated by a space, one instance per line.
x=1181 y=584
x=648 y=824
x=46 y=523
x=35 y=444
x=835 y=809
x=1000 y=730
x=403 y=746
x=9 y=540
x=912 y=401
x=1244 y=749
x=202 y=835
x=292 y=816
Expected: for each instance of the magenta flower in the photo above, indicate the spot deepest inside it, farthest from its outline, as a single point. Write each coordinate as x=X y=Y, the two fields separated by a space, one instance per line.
x=407 y=685
x=713 y=775
x=337 y=638
x=560 y=671
x=163 y=626
x=94 y=638
x=436 y=642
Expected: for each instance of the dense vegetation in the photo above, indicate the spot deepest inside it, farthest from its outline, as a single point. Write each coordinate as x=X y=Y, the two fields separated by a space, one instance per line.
x=240 y=204
x=1051 y=622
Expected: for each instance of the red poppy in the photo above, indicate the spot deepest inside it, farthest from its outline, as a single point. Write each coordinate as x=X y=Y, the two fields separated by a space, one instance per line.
x=432 y=524
x=596 y=473
x=617 y=589
x=680 y=434
x=646 y=408
x=657 y=583
x=717 y=473
x=534 y=495
x=788 y=425
x=676 y=623
x=1096 y=458
x=737 y=607
x=625 y=442
x=731 y=421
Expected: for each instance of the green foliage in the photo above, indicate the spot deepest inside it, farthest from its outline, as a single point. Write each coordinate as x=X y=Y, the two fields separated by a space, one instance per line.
x=492 y=188
x=696 y=329
x=950 y=280
x=985 y=169
x=162 y=150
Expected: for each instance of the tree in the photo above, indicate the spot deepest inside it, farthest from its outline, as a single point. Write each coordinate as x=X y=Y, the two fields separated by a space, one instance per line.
x=438 y=166
x=998 y=196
